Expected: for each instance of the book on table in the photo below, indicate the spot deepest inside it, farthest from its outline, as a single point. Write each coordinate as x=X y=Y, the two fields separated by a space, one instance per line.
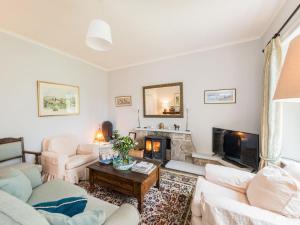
x=143 y=167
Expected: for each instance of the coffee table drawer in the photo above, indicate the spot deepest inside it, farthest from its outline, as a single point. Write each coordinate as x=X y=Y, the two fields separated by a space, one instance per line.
x=113 y=182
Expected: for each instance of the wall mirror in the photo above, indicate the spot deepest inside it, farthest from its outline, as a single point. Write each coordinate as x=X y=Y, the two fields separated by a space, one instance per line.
x=164 y=100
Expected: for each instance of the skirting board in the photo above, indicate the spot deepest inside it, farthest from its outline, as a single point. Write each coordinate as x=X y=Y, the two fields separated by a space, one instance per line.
x=185 y=167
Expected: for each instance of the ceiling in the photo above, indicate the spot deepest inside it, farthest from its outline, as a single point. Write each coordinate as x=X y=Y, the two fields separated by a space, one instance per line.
x=142 y=30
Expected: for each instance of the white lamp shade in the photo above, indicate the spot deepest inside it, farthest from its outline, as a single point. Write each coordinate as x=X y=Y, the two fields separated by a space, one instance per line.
x=288 y=86
x=99 y=36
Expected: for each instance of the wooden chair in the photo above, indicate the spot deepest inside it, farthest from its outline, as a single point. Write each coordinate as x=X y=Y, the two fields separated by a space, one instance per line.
x=13 y=148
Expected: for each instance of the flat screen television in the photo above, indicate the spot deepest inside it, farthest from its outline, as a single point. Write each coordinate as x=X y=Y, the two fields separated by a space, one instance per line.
x=236 y=146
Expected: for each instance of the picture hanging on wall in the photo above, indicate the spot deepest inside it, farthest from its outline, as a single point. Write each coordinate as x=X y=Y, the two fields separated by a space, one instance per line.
x=57 y=99
x=221 y=96
x=123 y=101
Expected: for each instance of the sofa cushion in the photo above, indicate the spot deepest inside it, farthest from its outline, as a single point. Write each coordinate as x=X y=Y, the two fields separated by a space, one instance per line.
x=98 y=204
x=32 y=172
x=78 y=160
x=55 y=190
x=15 y=183
x=204 y=186
x=14 y=211
x=223 y=211
x=235 y=179
x=275 y=190
x=95 y=217
x=67 y=206
x=66 y=145
x=293 y=169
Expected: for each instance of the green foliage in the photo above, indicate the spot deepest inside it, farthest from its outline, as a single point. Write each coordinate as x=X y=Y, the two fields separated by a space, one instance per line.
x=123 y=145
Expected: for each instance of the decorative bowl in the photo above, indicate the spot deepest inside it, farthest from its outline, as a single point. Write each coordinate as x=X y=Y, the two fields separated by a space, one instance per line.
x=119 y=164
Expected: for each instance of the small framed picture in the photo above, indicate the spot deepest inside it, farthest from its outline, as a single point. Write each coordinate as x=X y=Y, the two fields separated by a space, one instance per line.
x=123 y=101
x=221 y=96
x=132 y=135
x=57 y=99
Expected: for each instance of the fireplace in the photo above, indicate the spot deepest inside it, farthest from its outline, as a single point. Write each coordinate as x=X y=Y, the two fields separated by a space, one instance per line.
x=155 y=148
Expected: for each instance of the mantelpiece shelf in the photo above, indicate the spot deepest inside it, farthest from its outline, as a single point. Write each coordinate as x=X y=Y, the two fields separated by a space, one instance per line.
x=164 y=130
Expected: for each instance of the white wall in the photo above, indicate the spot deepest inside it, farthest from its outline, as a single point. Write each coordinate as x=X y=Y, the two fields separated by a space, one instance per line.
x=238 y=66
x=291 y=111
x=23 y=63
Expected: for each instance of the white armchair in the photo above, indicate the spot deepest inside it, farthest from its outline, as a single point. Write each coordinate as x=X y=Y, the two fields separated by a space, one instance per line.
x=220 y=199
x=64 y=158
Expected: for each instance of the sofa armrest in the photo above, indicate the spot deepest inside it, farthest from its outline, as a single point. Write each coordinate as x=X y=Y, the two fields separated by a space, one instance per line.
x=54 y=163
x=87 y=149
x=232 y=178
x=125 y=215
x=36 y=155
x=225 y=211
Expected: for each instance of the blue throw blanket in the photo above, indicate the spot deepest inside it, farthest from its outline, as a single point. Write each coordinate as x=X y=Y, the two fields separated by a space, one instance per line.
x=67 y=206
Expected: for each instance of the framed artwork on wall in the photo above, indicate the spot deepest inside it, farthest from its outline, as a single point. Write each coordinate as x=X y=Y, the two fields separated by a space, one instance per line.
x=123 y=101
x=221 y=96
x=57 y=99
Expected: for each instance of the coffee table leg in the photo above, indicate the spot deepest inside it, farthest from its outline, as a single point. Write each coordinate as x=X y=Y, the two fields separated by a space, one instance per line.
x=158 y=179
x=140 y=199
x=92 y=183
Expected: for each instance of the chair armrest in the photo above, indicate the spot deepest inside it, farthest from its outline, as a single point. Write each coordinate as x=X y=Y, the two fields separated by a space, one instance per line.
x=232 y=178
x=125 y=215
x=87 y=149
x=54 y=163
x=36 y=155
x=221 y=210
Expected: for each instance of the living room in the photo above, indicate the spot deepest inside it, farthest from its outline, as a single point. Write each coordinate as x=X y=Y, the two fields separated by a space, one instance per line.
x=114 y=58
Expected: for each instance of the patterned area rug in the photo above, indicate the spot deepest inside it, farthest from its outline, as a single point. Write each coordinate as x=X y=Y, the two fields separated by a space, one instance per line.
x=170 y=205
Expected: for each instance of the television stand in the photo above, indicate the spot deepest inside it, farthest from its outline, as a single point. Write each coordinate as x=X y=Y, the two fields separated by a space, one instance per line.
x=203 y=159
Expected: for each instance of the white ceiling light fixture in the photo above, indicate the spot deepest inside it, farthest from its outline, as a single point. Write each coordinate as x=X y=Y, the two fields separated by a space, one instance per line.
x=99 y=35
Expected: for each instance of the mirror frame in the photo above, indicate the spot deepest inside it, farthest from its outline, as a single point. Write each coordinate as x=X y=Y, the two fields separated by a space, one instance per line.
x=180 y=115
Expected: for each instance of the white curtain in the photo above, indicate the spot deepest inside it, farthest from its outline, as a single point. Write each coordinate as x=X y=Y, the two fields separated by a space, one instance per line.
x=271 y=126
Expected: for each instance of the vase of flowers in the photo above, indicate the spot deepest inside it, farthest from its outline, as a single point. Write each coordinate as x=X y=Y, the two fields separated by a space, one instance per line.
x=122 y=145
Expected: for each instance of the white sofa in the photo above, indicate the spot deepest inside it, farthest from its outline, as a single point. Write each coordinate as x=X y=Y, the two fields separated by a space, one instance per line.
x=63 y=157
x=220 y=199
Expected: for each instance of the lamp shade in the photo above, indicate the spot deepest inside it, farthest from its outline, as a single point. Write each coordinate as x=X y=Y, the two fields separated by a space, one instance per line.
x=99 y=35
x=99 y=136
x=288 y=86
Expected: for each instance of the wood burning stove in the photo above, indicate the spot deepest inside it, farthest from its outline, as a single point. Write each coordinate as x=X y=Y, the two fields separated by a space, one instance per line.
x=155 y=148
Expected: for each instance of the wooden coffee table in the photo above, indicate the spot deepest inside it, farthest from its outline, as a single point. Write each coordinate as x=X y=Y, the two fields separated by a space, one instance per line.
x=126 y=182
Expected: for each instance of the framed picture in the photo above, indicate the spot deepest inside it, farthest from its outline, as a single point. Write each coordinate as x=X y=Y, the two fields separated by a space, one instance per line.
x=123 y=101
x=177 y=99
x=132 y=135
x=222 y=96
x=57 y=99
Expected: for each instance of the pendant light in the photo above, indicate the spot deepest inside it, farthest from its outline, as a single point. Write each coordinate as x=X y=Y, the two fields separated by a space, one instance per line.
x=99 y=35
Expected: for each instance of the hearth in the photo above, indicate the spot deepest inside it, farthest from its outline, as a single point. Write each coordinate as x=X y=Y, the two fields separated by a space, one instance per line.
x=155 y=148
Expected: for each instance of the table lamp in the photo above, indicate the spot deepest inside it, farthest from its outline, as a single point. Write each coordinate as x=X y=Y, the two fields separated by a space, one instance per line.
x=288 y=86
x=99 y=136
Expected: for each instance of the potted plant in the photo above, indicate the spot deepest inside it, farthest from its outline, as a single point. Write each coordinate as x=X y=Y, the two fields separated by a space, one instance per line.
x=122 y=145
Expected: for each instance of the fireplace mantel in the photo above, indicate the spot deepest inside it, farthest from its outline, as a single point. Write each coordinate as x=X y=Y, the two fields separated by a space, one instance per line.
x=181 y=142
x=164 y=130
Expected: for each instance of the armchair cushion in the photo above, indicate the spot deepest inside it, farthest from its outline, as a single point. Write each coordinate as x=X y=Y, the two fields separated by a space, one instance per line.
x=78 y=160
x=66 y=145
x=234 y=179
x=224 y=211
